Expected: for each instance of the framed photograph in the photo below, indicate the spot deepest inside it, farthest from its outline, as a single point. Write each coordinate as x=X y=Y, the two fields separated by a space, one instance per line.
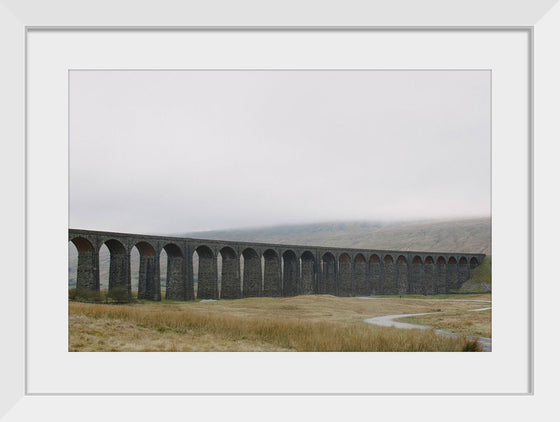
x=44 y=50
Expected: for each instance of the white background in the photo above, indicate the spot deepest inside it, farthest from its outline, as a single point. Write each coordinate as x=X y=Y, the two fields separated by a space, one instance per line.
x=51 y=369
x=15 y=405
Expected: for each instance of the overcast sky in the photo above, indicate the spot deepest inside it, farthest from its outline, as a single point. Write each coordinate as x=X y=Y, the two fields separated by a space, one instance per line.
x=179 y=151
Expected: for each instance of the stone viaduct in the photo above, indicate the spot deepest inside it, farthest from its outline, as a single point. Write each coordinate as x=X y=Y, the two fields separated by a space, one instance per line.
x=267 y=270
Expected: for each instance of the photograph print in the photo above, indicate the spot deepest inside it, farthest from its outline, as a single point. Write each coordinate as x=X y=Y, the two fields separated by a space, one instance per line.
x=279 y=210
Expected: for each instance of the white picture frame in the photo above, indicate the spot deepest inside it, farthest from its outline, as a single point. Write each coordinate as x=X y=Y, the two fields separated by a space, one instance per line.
x=18 y=18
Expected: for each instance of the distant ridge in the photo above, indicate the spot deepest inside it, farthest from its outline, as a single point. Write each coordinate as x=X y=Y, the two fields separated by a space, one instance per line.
x=471 y=235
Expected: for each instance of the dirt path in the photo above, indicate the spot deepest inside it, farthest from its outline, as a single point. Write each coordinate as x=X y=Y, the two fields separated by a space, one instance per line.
x=389 y=321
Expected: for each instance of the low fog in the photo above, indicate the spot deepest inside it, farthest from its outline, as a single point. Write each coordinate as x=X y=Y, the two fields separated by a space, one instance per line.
x=172 y=152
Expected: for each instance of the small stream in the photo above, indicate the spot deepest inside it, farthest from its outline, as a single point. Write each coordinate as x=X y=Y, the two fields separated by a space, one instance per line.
x=389 y=321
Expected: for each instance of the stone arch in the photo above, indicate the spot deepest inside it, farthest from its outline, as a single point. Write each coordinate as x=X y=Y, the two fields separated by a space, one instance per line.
x=417 y=279
x=252 y=275
x=463 y=271
x=145 y=248
x=474 y=262
x=148 y=272
x=389 y=276
x=345 y=275
x=175 y=281
x=375 y=274
x=290 y=273
x=328 y=274
x=119 y=266
x=441 y=275
x=402 y=275
x=230 y=277
x=308 y=274
x=207 y=273
x=452 y=274
x=272 y=274
x=87 y=272
x=430 y=275
x=361 y=287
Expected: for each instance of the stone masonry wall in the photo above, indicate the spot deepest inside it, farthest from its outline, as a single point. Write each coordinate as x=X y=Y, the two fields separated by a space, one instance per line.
x=307 y=276
x=360 y=277
x=272 y=276
x=269 y=270
x=252 y=277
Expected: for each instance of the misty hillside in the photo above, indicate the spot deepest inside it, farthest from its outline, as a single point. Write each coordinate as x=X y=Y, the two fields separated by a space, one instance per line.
x=468 y=235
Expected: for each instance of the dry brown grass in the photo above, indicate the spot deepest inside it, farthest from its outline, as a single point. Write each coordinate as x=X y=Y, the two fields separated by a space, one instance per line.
x=468 y=323
x=304 y=323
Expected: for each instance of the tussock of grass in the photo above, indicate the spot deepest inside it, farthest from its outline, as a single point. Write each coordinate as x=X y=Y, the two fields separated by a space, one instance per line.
x=297 y=335
x=472 y=346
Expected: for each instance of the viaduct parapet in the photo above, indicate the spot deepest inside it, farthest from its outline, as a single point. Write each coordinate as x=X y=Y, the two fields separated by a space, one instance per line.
x=268 y=269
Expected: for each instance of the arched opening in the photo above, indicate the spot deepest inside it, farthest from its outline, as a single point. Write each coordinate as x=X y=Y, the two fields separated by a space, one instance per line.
x=308 y=276
x=452 y=274
x=441 y=275
x=83 y=266
x=402 y=275
x=345 y=275
x=229 y=274
x=104 y=258
x=361 y=287
x=252 y=275
x=207 y=283
x=290 y=273
x=328 y=274
x=163 y=272
x=417 y=282
x=375 y=275
x=72 y=265
x=272 y=274
x=474 y=262
x=463 y=271
x=174 y=268
x=429 y=275
x=135 y=272
x=147 y=272
x=119 y=269
x=389 y=276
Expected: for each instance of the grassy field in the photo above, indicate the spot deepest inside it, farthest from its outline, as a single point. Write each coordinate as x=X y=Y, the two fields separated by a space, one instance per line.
x=471 y=323
x=302 y=323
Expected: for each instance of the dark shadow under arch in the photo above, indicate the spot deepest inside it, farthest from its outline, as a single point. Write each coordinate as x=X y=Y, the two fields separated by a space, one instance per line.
x=345 y=287
x=328 y=274
x=308 y=274
x=361 y=287
x=149 y=281
x=119 y=267
x=272 y=277
x=252 y=273
x=87 y=269
x=176 y=287
x=207 y=273
x=290 y=273
x=402 y=275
